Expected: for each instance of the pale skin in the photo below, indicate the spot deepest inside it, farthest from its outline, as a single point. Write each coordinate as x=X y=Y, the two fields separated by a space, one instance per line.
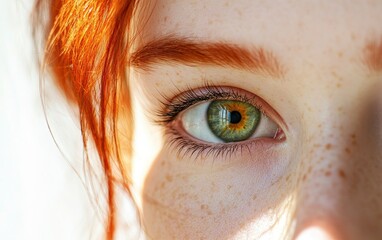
x=324 y=180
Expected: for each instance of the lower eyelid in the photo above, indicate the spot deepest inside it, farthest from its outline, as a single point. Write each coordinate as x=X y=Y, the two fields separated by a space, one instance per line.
x=189 y=148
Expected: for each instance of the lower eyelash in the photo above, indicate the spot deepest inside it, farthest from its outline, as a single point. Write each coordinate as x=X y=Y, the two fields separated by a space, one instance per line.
x=185 y=146
x=197 y=150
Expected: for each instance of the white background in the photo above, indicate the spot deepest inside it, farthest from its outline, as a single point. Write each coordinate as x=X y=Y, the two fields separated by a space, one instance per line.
x=41 y=196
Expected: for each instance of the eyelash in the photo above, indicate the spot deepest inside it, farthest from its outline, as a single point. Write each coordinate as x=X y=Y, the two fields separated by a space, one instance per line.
x=186 y=145
x=173 y=106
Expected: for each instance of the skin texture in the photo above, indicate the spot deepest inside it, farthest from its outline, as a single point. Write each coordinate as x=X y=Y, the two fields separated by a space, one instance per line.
x=324 y=180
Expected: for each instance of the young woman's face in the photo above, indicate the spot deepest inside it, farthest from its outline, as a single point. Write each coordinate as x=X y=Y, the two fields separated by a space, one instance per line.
x=259 y=119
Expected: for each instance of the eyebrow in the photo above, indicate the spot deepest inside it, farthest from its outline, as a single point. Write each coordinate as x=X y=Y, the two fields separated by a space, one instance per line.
x=373 y=55
x=191 y=52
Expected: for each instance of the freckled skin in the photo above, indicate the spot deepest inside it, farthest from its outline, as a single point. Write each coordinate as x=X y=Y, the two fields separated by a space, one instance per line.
x=327 y=174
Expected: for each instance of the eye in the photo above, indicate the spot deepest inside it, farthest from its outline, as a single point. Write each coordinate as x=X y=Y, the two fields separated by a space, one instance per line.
x=224 y=121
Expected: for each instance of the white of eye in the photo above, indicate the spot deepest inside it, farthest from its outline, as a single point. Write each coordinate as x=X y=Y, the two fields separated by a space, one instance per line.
x=194 y=121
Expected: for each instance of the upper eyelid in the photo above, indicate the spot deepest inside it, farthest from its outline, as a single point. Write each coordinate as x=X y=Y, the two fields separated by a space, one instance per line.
x=215 y=93
x=191 y=97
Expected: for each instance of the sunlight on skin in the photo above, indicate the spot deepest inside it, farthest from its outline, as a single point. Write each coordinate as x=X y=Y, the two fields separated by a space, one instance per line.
x=145 y=148
x=277 y=221
x=327 y=171
x=314 y=233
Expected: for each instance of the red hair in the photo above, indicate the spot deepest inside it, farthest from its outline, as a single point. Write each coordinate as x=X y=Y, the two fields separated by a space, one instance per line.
x=87 y=50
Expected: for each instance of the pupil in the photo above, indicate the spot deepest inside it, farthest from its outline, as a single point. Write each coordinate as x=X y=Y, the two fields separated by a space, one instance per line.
x=235 y=117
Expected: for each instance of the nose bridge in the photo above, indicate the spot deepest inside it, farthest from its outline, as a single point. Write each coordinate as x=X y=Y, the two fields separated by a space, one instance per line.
x=325 y=183
x=339 y=180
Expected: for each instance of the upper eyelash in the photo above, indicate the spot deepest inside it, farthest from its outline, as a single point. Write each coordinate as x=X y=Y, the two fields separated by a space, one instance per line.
x=173 y=106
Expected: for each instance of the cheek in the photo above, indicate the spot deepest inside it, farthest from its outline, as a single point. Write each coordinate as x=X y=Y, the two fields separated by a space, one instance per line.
x=184 y=199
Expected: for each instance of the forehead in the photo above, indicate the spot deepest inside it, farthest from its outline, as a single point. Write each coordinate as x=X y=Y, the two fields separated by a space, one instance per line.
x=287 y=27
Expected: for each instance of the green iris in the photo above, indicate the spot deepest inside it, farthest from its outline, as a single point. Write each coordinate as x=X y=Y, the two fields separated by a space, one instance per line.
x=232 y=121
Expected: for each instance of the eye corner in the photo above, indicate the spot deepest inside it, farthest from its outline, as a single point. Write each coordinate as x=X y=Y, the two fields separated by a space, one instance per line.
x=280 y=135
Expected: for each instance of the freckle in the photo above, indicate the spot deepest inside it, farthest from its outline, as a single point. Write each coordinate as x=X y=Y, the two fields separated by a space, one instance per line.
x=239 y=12
x=328 y=173
x=328 y=146
x=341 y=173
x=338 y=85
x=335 y=75
x=165 y=19
x=229 y=187
x=287 y=178
x=254 y=197
x=169 y=178
x=340 y=54
x=163 y=185
x=354 y=139
x=347 y=150
x=205 y=208
x=185 y=178
x=304 y=177
x=310 y=169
